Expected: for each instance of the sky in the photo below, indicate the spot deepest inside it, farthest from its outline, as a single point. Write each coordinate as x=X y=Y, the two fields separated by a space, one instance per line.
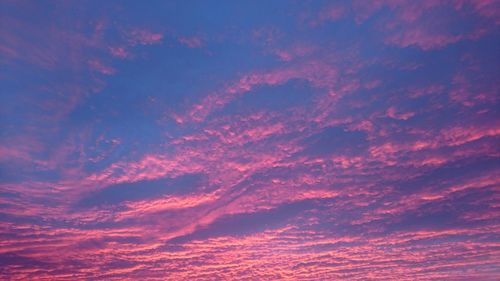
x=250 y=140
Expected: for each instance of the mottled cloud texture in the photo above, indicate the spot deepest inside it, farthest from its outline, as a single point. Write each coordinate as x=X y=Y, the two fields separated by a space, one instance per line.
x=250 y=140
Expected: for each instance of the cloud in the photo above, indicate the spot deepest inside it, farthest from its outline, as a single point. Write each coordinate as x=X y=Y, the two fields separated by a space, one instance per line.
x=137 y=36
x=352 y=141
x=119 y=52
x=191 y=42
x=247 y=223
x=100 y=67
x=141 y=190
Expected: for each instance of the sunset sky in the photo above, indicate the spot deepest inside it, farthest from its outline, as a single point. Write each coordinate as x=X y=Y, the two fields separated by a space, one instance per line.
x=250 y=140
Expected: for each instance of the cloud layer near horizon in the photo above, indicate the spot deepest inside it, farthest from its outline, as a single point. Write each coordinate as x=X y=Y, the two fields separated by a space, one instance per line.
x=250 y=140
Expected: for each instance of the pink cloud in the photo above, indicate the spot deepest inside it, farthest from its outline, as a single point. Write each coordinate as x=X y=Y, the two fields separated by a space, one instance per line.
x=119 y=52
x=319 y=74
x=423 y=38
x=331 y=13
x=98 y=66
x=393 y=113
x=144 y=37
x=486 y=8
x=416 y=24
x=294 y=52
x=255 y=165
x=191 y=42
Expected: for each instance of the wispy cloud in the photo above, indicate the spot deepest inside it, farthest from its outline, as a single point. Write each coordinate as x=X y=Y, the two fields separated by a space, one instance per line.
x=310 y=141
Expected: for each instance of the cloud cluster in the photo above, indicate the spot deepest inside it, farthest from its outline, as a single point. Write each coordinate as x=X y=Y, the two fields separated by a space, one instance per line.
x=354 y=141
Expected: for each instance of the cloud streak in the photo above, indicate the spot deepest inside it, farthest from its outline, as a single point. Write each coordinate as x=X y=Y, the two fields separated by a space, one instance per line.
x=281 y=141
